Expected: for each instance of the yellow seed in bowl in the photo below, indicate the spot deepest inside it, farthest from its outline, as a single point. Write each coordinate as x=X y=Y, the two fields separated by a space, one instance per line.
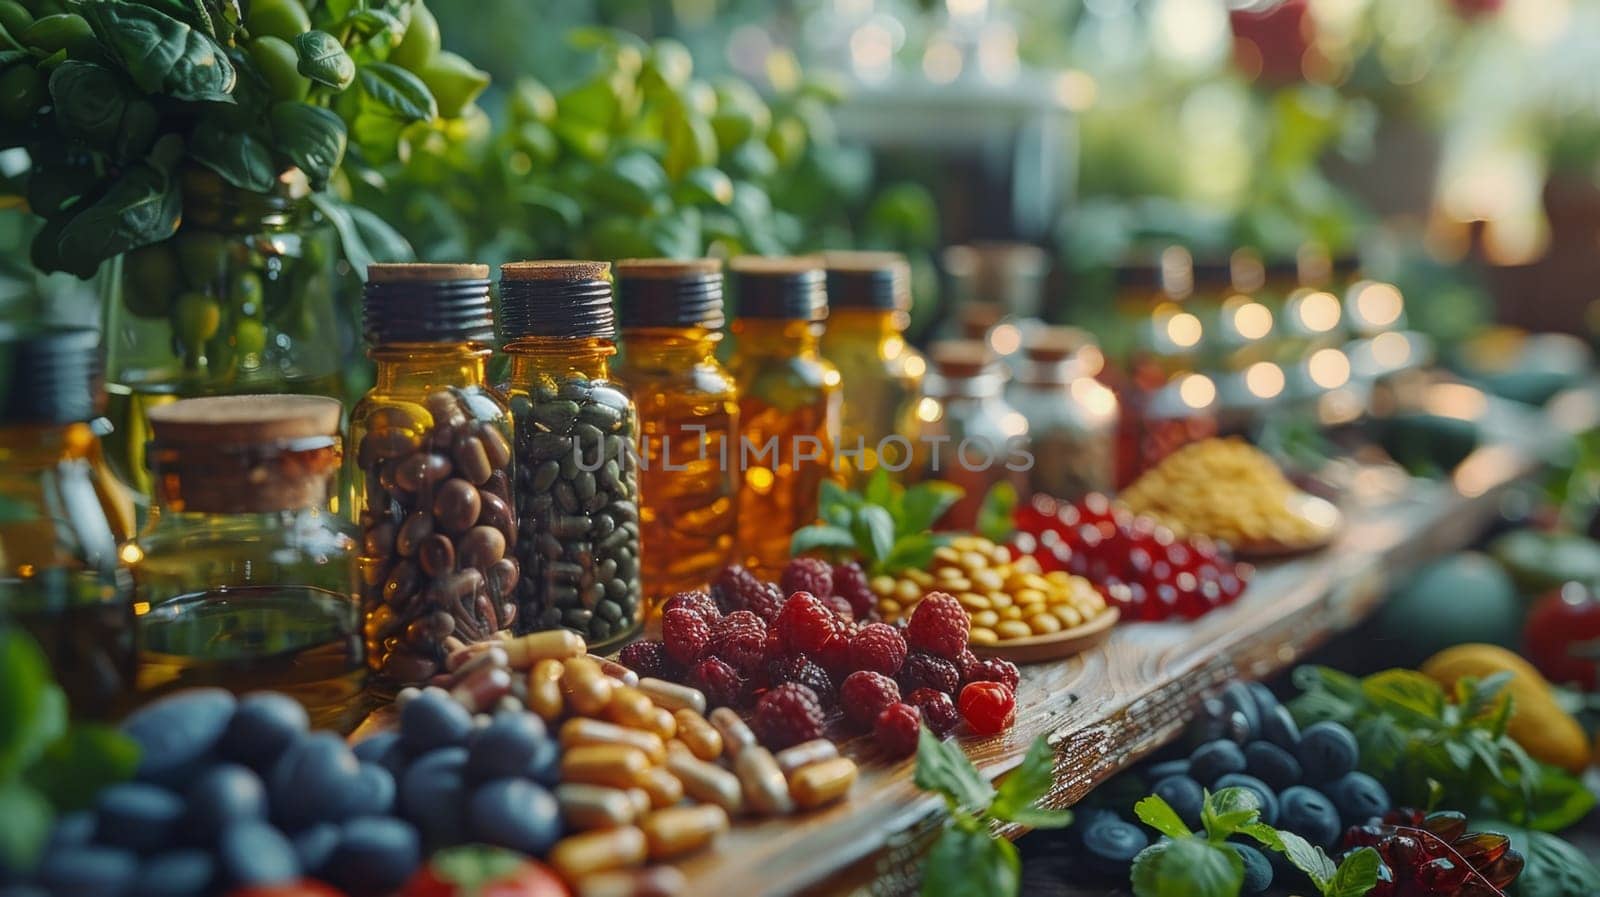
x=1000 y=599
x=907 y=591
x=982 y=636
x=882 y=585
x=1032 y=596
x=1059 y=577
x=959 y=584
x=948 y=573
x=888 y=607
x=965 y=543
x=1009 y=629
x=946 y=554
x=999 y=555
x=1044 y=624
x=920 y=578
x=973 y=601
x=974 y=560
x=1067 y=614
x=985 y=618
x=988 y=580
x=1027 y=564
x=1010 y=613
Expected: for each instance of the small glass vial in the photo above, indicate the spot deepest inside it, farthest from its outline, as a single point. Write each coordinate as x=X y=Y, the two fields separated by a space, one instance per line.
x=670 y=313
x=65 y=518
x=789 y=403
x=1072 y=417
x=431 y=472
x=975 y=438
x=243 y=576
x=869 y=300
x=577 y=486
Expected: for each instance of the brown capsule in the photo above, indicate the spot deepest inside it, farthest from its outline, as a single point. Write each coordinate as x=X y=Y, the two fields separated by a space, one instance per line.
x=482 y=688
x=383 y=444
x=544 y=690
x=702 y=738
x=502 y=576
x=494 y=445
x=792 y=759
x=641 y=798
x=706 y=782
x=611 y=765
x=676 y=831
x=481 y=547
x=497 y=513
x=471 y=460
x=417 y=528
x=631 y=707
x=664 y=724
x=587 y=689
x=673 y=696
x=437 y=555
x=662 y=787
x=524 y=651
x=766 y=791
x=736 y=735
x=476 y=656
x=580 y=731
x=586 y=807
x=429 y=629
x=378 y=541
x=615 y=670
x=420 y=469
x=577 y=856
x=457 y=588
x=654 y=881
x=456 y=506
x=821 y=783
x=500 y=485
x=402 y=582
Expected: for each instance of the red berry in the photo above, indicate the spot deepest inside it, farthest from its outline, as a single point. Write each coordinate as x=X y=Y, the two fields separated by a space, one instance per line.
x=926 y=671
x=988 y=707
x=965 y=662
x=813 y=575
x=734 y=587
x=647 y=658
x=723 y=685
x=878 y=647
x=699 y=602
x=840 y=607
x=850 y=583
x=864 y=694
x=938 y=711
x=835 y=655
x=939 y=626
x=803 y=670
x=740 y=640
x=685 y=634
x=788 y=715
x=995 y=670
x=805 y=624
x=766 y=601
x=896 y=729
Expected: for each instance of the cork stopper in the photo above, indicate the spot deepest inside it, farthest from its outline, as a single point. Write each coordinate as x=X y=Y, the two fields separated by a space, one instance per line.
x=555 y=270
x=959 y=358
x=244 y=420
x=245 y=454
x=976 y=319
x=667 y=268
x=412 y=272
x=1054 y=344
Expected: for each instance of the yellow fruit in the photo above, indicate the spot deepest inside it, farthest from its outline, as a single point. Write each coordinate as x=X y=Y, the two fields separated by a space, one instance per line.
x=1537 y=723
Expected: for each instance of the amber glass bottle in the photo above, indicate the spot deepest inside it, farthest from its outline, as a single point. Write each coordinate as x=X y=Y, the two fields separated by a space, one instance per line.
x=671 y=318
x=431 y=472
x=869 y=302
x=577 y=486
x=64 y=518
x=788 y=403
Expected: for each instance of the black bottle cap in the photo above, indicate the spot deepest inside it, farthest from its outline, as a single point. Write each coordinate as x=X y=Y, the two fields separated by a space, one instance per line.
x=869 y=280
x=557 y=298
x=787 y=289
x=428 y=303
x=49 y=374
x=669 y=293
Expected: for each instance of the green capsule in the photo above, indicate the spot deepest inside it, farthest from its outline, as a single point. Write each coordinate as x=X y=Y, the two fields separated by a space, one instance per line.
x=545 y=476
x=557 y=415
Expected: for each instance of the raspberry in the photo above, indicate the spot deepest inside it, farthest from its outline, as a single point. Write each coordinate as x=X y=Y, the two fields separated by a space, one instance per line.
x=699 y=602
x=965 y=662
x=766 y=602
x=721 y=682
x=939 y=626
x=812 y=575
x=994 y=670
x=734 y=587
x=850 y=583
x=805 y=624
x=835 y=655
x=840 y=607
x=922 y=670
x=896 y=729
x=988 y=707
x=878 y=647
x=685 y=634
x=647 y=658
x=740 y=640
x=803 y=670
x=788 y=715
x=938 y=711
x=863 y=696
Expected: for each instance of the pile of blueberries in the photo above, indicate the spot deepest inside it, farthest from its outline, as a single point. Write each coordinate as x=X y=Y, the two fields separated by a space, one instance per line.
x=235 y=793
x=1244 y=738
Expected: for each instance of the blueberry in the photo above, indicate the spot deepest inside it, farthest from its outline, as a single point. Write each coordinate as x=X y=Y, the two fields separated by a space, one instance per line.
x=385 y=750
x=1110 y=846
x=1271 y=764
x=176 y=873
x=1309 y=814
x=1279 y=728
x=1214 y=760
x=506 y=747
x=374 y=793
x=137 y=816
x=545 y=767
x=515 y=813
x=222 y=794
x=1257 y=869
x=1155 y=772
x=314 y=846
x=73 y=829
x=433 y=796
x=177 y=733
x=1268 y=800
x=1184 y=795
x=1238 y=698
x=1219 y=721
x=376 y=855
x=264 y=726
x=432 y=720
x=1359 y=797
x=88 y=872
x=1085 y=819
x=1327 y=751
x=1265 y=700
x=316 y=780
x=254 y=853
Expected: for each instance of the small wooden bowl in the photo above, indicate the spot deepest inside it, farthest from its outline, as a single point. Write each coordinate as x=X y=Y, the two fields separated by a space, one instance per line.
x=1056 y=645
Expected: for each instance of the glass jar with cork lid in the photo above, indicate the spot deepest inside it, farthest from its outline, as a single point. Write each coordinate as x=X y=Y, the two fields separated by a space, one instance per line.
x=1072 y=417
x=975 y=438
x=243 y=576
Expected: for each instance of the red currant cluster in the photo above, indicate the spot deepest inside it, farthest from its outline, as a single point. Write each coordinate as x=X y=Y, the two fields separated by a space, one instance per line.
x=1432 y=855
x=1136 y=563
x=794 y=660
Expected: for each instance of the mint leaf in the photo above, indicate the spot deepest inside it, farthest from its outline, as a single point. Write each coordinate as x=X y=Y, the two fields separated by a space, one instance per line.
x=880 y=489
x=923 y=505
x=943 y=768
x=1477 y=696
x=1408 y=695
x=1223 y=813
x=912 y=552
x=1187 y=867
x=822 y=535
x=873 y=529
x=968 y=861
x=1040 y=817
x=1308 y=859
x=1159 y=815
x=994 y=515
x=1024 y=786
x=1358 y=872
x=1264 y=834
x=28 y=818
x=78 y=765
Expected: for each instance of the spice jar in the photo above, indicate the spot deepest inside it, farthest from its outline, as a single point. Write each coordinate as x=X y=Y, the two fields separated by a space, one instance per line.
x=670 y=313
x=789 y=403
x=65 y=517
x=577 y=487
x=869 y=300
x=243 y=576
x=431 y=472
x=1072 y=417
x=975 y=438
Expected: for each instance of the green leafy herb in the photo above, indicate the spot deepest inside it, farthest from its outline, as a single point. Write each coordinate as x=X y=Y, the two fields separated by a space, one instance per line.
x=323 y=59
x=398 y=91
x=994 y=515
x=160 y=53
x=886 y=526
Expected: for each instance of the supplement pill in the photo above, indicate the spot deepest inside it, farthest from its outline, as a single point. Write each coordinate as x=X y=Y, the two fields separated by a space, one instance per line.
x=576 y=856
x=680 y=830
x=821 y=783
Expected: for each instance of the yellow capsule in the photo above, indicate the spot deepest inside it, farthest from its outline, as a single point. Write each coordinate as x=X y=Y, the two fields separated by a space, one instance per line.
x=985 y=618
x=981 y=635
x=766 y=791
x=612 y=765
x=576 y=856
x=544 y=690
x=580 y=731
x=736 y=735
x=703 y=739
x=973 y=601
x=673 y=696
x=676 y=831
x=654 y=881
x=998 y=554
x=586 y=807
x=1043 y=624
x=553 y=644
x=1010 y=629
x=587 y=690
x=664 y=724
x=630 y=707
x=707 y=783
x=640 y=798
x=615 y=670
x=662 y=788
x=792 y=759
x=821 y=783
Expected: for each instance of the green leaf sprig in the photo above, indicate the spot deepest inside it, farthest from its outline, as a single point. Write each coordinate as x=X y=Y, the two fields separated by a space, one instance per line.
x=1201 y=864
x=968 y=858
x=886 y=526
